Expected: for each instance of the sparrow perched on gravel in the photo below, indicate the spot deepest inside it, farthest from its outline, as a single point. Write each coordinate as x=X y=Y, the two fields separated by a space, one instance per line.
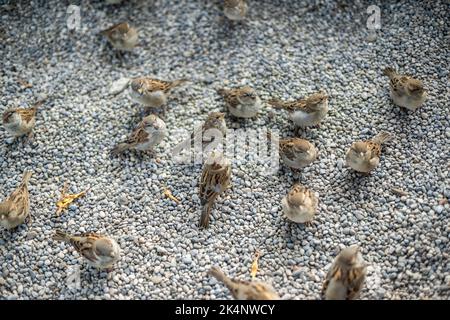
x=300 y=204
x=122 y=36
x=346 y=277
x=151 y=92
x=245 y=290
x=16 y=208
x=100 y=251
x=406 y=91
x=297 y=153
x=147 y=135
x=235 y=9
x=216 y=178
x=21 y=121
x=243 y=102
x=305 y=112
x=364 y=156
x=207 y=133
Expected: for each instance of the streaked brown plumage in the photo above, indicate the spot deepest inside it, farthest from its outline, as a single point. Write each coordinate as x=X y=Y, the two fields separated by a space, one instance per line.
x=305 y=112
x=364 y=156
x=245 y=290
x=346 y=277
x=15 y=209
x=405 y=91
x=100 y=251
x=21 y=121
x=215 y=179
x=122 y=36
x=242 y=102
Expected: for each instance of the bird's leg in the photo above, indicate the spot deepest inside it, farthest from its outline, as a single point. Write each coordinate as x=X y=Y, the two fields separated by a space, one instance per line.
x=30 y=137
x=296 y=174
x=308 y=224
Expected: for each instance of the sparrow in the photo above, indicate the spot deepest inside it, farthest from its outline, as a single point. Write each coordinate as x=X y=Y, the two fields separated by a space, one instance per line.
x=305 y=112
x=405 y=91
x=300 y=204
x=152 y=92
x=215 y=179
x=242 y=102
x=346 y=276
x=16 y=208
x=213 y=126
x=245 y=290
x=121 y=36
x=297 y=153
x=147 y=135
x=100 y=251
x=235 y=10
x=21 y=121
x=364 y=156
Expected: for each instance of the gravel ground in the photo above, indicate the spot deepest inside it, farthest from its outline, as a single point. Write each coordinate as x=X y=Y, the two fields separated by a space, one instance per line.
x=286 y=49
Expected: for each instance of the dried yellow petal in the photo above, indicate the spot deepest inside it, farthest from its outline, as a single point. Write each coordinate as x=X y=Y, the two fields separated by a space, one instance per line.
x=254 y=268
x=66 y=199
x=169 y=195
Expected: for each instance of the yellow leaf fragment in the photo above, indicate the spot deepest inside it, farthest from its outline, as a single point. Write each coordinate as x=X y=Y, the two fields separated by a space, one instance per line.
x=254 y=268
x=169 y=195
x=66 y=199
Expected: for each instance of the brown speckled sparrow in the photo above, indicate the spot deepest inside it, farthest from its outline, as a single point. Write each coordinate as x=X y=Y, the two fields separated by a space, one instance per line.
x=148 y=134
x=297 y=153
x=15 y=209
x=100 y=251
x=300 y=204
x=207 y=133
x=305 y=112
x=152 y=92
x=122 y=36
x=346 y=277
x=21 y=121
x=242 y=102
x=235 y=10
x=364 y=156
x=245 y=290
x=215 y=179
x=405 y=91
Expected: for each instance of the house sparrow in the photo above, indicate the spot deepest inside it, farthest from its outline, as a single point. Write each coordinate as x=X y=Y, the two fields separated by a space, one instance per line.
x=305 y=112
x=242 y=102
x=147 y=135
x=346 y=277
x=215 y=180
x=300 y=204
x=235 y=9
x=214 y=121
x=364 y=156
x=100 y=251
x=152 y=92
x=21 y=121
x=121 y=36
x=245 y=290
x=297 y=153
x=16 y=208
x=406 y=91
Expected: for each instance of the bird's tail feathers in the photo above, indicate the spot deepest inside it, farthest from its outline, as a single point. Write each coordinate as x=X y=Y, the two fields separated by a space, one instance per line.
x=278 y=104
x=382 y=137
x=217 y=273
x=26 y=176
x=206 y=213
x=120 y=148
x=178 y=82
x=389 y=71
x=61 y=236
